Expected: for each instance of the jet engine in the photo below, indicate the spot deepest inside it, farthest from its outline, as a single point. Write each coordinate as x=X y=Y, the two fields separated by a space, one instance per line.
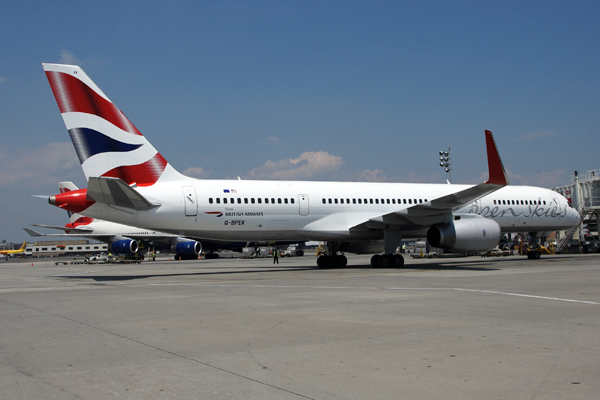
x=125 y=246
x=187 y=250
x=466 y=234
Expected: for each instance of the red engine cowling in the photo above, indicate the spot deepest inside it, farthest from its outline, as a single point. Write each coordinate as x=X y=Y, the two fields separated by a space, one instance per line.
x=466 y=234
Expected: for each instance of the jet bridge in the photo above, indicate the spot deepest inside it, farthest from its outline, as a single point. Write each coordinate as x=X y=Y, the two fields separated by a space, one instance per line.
x=584 y=194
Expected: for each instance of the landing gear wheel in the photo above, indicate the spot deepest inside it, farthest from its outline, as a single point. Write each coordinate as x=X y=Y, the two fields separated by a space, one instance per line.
x=398 y=261
x=327 y=262
x=341 y=261
x=386 y=260
x=375 y=261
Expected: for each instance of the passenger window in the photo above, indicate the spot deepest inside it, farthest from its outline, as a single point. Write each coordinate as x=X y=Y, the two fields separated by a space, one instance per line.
x=376 y=201
x=246 y=200
x=341 y=201
x=353 y=201
x=371 y=201
x=279 y=201
x=239 y=200
x=259 y=200
x=218 y=200
x=404 y=201
x=393 y=201
x=266 y=200
x=335 y=201
x=292 y=200
x=285 y=200
x=273 y=200
x=330 y=201
x=210 y=200
x=324 y=202
x=420 y=201
x=359 y=201
x=225 y=200
x=252 y=200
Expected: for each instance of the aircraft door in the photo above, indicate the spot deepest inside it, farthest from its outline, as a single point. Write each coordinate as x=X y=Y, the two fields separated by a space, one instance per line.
x=190 y=201
x=304 y=206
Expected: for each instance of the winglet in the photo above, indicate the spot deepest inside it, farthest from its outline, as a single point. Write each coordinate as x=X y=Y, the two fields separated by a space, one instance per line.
x=497 y=174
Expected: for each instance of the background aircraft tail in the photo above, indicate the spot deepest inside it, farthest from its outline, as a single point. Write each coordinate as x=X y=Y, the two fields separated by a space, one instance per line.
x=106 y=142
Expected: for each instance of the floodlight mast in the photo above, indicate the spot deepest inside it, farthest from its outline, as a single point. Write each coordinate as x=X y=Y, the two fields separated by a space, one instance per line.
x=445 y=163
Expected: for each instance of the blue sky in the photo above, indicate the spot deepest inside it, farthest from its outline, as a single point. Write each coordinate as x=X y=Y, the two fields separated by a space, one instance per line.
x=317 y=90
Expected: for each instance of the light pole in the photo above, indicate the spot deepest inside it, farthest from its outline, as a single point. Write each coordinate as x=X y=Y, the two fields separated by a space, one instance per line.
x=445 y=162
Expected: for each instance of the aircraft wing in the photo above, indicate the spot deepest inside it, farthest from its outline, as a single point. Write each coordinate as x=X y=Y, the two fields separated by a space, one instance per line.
x=440 y=210
x=82 y=233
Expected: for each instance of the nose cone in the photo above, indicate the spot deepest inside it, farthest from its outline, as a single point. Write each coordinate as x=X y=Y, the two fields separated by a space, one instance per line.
x=574 y=216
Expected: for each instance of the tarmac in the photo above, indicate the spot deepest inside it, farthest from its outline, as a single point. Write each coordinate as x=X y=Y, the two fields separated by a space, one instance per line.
x=467 y=328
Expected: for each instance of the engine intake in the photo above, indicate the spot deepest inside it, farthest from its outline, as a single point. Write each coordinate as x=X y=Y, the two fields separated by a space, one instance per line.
x=467 y=234
x=188 y=250
x=125 y=246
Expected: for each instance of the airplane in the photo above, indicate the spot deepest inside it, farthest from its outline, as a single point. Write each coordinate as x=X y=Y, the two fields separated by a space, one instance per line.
x=121 y=238
x=124 y=239
x=11 y=252
x=130 y=182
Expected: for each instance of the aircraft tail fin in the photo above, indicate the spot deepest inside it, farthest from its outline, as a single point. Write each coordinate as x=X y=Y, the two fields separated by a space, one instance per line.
x=106 y=142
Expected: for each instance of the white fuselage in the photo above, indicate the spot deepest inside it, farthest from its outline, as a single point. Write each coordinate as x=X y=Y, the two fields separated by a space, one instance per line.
x=238 y=210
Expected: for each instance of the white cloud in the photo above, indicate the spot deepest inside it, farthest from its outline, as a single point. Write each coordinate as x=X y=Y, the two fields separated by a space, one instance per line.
x=310 y=165
x=197 y=172
x=66 y=57
x=373 y=176
x=52 y=162
x=273 y=139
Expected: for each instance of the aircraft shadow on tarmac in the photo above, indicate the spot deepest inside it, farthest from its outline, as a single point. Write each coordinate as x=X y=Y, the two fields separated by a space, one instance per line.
x=107 y=278
x=433 y=266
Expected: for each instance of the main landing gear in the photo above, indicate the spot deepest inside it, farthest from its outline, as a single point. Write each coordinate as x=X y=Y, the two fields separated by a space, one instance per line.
x=387 y=261
x=332 y=261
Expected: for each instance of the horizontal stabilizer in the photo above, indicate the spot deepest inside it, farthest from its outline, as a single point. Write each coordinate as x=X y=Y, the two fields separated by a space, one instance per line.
x=65 y=228
x=115 y=192
x=32 y=232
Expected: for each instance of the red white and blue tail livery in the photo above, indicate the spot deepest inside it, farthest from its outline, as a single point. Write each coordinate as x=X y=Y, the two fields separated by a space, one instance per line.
x=107 y=143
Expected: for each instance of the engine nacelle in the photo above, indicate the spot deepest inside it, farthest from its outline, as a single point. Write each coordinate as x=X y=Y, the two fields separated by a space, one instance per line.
x=467 y=234
x=125 y=246
x=189 y=249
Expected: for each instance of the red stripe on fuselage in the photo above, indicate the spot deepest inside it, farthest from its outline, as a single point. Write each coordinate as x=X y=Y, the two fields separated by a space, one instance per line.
x=72 y=95
x=80 y=221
